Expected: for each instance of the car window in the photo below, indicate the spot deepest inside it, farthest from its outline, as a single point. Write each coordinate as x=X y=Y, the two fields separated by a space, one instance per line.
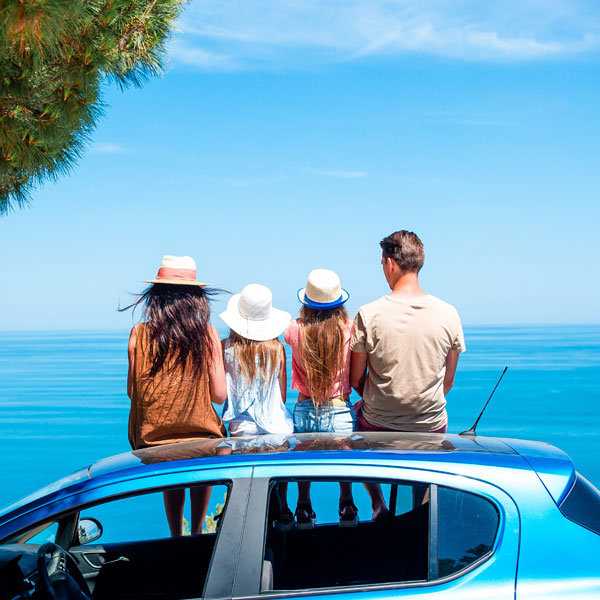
x=467 y=528
x=433 y=532
x=40 y=535
x=582 y=504
x=142 y=517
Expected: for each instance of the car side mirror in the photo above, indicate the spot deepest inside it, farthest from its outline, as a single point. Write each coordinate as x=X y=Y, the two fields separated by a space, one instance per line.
x=88 y=530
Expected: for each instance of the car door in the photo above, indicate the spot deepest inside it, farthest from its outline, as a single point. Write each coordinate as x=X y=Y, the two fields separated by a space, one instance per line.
x=151 y=563
x=456 y=538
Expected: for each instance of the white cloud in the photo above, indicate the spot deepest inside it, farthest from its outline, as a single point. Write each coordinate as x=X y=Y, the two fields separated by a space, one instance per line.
x=185 y=53
x=236 y=34
x=336 y=173
x=102 y=148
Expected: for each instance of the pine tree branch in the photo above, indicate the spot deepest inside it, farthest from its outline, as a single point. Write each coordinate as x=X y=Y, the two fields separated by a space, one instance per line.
x=54 y=56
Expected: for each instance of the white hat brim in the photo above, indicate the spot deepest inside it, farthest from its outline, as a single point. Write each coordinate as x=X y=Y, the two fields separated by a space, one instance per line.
x=259 y=331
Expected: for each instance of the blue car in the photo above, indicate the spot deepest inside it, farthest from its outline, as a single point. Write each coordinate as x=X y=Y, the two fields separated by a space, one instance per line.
x=470 y=517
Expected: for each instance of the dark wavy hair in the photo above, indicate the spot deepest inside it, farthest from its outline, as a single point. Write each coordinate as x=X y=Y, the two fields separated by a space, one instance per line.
x=177 y=324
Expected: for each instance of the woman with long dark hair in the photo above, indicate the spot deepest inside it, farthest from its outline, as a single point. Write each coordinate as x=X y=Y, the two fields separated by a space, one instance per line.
x=175 y=374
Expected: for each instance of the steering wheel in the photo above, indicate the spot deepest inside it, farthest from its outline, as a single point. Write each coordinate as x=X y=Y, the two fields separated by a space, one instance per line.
x=59 y=578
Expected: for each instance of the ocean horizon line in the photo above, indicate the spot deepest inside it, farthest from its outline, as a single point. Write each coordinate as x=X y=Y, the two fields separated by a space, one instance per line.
x=471 y=326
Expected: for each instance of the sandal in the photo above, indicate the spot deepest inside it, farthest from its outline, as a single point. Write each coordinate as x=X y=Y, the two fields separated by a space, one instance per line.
x=286 y=519
x=348 y=518
x=305 y=516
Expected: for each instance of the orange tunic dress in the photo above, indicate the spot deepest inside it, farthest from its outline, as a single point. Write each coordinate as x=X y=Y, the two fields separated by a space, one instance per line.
x=171 y=406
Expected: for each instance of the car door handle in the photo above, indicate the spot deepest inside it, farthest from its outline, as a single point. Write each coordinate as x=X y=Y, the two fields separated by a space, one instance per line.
x=116 y=560
x=103 y=562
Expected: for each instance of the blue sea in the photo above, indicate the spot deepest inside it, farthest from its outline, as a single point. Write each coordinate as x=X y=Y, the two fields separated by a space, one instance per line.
x=64 y=405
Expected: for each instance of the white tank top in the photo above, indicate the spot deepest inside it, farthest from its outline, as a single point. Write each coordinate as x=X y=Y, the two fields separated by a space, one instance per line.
x=259 y=402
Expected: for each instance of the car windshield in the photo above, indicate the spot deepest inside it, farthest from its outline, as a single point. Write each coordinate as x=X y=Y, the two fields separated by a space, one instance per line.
x=78 y=475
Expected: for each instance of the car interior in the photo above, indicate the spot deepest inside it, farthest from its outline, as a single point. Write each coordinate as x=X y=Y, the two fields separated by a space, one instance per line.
x=148 y=565
x=167 y=568
x=328 y=555
x=431 y=532
x=121 y=549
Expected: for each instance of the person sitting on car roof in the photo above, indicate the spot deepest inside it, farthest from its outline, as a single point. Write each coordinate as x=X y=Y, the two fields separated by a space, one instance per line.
x=175 y=374
x=320 y=341
x=405 y=349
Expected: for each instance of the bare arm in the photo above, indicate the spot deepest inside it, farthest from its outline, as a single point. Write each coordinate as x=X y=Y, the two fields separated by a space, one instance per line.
x=283 y=375
x=451 y=362
x=358 y=371
x=131 y=356
x=216 y=370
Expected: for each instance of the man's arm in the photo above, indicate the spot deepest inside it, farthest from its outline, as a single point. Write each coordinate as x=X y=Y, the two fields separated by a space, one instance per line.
x=358 y=371
x=451 y=362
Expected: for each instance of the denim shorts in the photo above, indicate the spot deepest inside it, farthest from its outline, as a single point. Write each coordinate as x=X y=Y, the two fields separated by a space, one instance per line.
x=341 y=419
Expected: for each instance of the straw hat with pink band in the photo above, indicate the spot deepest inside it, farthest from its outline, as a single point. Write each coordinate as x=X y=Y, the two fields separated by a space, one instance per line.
x=177 y=270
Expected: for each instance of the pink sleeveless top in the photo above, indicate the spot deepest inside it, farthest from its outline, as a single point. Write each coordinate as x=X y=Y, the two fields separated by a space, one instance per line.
x=293 y=337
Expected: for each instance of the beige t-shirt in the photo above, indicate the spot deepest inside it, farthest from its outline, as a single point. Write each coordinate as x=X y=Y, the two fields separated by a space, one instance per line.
x=407 y=342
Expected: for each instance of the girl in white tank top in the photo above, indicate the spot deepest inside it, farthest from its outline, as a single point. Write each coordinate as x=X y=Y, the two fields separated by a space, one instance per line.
x=255 y=367
x=255 y=372
x=256 y=407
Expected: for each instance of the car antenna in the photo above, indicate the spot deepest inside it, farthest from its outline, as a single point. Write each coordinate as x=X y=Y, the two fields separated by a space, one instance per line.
x=472 y=430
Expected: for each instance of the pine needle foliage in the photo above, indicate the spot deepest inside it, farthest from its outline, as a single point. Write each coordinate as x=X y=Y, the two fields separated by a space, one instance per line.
x=55 y=56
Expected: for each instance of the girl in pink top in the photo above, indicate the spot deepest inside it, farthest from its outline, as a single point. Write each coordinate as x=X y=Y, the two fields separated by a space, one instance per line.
x=293 y=336
x=320 y=341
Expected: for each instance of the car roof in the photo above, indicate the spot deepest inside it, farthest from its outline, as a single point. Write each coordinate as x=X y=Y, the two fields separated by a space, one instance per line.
x=553 y=466
x=264 y=447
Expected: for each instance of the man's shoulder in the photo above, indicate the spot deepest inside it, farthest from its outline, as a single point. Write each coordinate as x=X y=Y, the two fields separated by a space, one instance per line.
x=372 y=307
x=442 y=305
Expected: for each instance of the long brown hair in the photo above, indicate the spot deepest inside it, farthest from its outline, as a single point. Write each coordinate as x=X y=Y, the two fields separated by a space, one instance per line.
x=177 y=325
x=322 y=349
x=245 y=352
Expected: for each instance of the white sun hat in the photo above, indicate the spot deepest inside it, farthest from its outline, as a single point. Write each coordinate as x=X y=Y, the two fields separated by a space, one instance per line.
x=323 y=290
x=177 y=270
x=251 y=314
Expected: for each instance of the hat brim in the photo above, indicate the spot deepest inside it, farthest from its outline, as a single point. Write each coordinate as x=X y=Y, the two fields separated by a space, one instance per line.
x=259 y=331
x=177 y=282
x=322 y=305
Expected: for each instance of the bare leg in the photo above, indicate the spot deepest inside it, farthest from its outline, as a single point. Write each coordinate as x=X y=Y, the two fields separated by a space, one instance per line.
x=420 y=494
x=304 y=493
x=304 y=507
x=345 y=491
x=348 y=512
x=378 y=504
x=174 y=501
x=282 y=488
x=200 y=497
x=286 y=516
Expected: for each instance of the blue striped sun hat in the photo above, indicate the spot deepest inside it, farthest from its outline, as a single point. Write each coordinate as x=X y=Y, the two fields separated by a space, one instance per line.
x=323 y=290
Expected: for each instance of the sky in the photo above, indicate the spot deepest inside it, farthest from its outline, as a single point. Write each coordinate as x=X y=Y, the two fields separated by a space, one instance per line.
x=291 y=135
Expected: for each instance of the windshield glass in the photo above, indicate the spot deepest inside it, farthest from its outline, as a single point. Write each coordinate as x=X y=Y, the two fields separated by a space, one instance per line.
x=79 y=475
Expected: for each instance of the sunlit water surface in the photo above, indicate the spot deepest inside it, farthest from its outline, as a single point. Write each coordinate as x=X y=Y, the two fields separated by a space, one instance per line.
x=64 y=404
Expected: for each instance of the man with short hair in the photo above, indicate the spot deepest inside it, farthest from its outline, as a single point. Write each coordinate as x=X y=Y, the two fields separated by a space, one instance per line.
x=405 y=349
